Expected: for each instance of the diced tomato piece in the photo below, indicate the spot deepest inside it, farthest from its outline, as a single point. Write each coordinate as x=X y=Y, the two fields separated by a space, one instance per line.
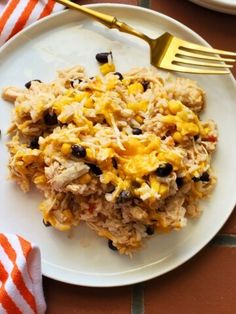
x=212 y=138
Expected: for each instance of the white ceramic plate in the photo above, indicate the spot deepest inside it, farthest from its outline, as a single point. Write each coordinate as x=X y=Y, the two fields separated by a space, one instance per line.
x=225 y=6
x=69 y=38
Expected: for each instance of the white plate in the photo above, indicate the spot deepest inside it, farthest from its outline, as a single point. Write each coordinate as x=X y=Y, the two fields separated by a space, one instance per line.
x=69 y=38
x=225 y=6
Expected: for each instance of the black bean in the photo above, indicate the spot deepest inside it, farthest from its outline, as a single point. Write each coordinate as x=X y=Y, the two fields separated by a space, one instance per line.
x=150 y=230
x=78 y=151
x=124 y=196
x=196 y=179
x=136 y=184
x=164 y=169
x=72 y=82
x=28 y=84
x=46 y=223
x=145 y=85
x=119 y=75
x=205 y=177
x=114 y=162
x=110 y=188
x=50 y=118
x=179 y=181
x=34 y=144
x=95 y=169
x=112 y=246
x=102 y=57
x=136 y=131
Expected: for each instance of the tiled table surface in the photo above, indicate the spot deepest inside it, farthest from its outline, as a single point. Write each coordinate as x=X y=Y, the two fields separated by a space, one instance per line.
x=207 y=283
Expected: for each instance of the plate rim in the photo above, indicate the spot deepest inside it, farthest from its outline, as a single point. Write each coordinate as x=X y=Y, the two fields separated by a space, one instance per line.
x=47 y=268
x=218 y=6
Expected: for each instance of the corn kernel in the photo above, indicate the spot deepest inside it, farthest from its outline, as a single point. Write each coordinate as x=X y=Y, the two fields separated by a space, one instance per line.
x=62 y=227
x=169 y=119
x=40 y=179
x=206 y=131
x=177 y=137
x=84 y=179
x=107 y=68
x=190 y=129
x=90 y=154
x=111 y=84
x=161 y=156
x=135 y=88
x=139 y=119
x=66 y=149
x=174 y=158
x=154 y=145
x=183 y=115
x=57 y=108
x=126 y=82
x=174 y=106
x=138 y=106
x=132 y=146
x=155 y=184
x=163 y=189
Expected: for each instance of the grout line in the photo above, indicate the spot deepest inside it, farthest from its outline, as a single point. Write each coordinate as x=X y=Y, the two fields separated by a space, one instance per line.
x=144 y=3
x=225 y=240
x=137 y=303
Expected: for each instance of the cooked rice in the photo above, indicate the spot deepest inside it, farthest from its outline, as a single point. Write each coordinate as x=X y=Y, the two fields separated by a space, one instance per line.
x=128 y=198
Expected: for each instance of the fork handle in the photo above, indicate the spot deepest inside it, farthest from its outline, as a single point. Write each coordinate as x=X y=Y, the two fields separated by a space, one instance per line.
x=106 y=19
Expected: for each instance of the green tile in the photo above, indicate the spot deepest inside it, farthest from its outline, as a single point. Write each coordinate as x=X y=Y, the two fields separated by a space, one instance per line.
x=145 y=3
x=137 y=305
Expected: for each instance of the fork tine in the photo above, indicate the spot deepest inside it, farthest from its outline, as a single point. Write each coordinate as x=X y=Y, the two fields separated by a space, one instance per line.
x=187 y=45
x=199 y=63
x=183 y=53
x=187 y=69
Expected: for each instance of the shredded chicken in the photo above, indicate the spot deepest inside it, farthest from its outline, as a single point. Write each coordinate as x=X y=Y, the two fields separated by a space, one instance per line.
x=128 y=156
x=60 y=180
x=10 y=93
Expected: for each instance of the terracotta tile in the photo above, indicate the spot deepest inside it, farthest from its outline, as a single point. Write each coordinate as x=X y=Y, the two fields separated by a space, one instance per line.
x=205 y=284
x=230 y=225
x=217 y=28
x=63 y=298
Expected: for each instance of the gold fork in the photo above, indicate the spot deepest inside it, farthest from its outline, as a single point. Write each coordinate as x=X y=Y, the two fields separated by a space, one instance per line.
x=167 y=51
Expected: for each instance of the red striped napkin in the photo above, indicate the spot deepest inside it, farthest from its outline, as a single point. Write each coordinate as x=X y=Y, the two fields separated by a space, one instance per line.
x=20 y=266
x=16 y=14
x=20 y=277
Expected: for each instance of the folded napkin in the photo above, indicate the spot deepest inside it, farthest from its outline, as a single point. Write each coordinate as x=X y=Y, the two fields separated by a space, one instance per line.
x=20 y=265
x=16 y=14
x=20 y=277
